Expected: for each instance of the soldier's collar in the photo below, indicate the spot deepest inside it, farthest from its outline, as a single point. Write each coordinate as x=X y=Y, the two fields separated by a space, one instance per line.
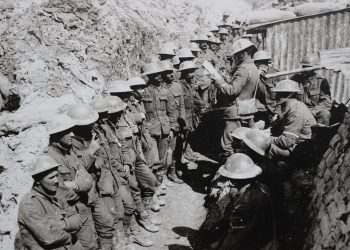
x=39 y=191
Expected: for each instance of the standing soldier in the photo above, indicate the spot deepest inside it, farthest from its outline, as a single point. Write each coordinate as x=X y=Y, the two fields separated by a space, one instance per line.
x=240 y=88
x=315 y=90
x=294 y=125
x=203 y=43
x=265 y=96
x=176 y=90
x=225 y=50
x=44 y=218
x=166 y=52
x=159 y=107
x=236 y=32
x=215 y=31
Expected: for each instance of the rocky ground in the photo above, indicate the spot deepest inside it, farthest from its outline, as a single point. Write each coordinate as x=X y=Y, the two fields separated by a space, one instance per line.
x=181 y=217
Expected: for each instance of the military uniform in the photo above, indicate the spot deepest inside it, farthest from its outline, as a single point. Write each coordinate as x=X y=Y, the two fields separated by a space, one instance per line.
x=47 y=222
x=241 y=87
x=251 y=218
x=316 y=95
x=102 y=217
x=292 y=128
x=160 y=115
x=70 y=163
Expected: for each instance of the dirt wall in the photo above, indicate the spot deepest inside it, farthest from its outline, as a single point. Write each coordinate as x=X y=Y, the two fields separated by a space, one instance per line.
x=330 y=208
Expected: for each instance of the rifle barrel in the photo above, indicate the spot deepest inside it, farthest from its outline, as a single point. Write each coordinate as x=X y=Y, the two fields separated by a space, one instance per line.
x=294 y=71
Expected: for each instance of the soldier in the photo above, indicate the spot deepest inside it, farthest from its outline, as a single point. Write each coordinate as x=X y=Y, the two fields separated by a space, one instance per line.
x=176 y=90
x=130 y=194
x=129 y=121
x=213 y=54
x=248 y=213
x=195 y=49
x=265 y=96
x=236 y=32
x=240 y=88
x=109 y=179
x=315 y=89
x=83 y=146
x=203 y=43
x=60 y=148
x=166 y=52
x=45 y=219
x=158 y=102
x=294 y=124
x=225 y=50
x=215 y=31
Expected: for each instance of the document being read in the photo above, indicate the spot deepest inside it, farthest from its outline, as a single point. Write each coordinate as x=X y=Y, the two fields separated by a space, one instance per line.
x=210 y=68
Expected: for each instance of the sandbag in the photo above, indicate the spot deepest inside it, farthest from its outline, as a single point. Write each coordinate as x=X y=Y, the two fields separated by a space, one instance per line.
x=269 y=15
x=314 y=8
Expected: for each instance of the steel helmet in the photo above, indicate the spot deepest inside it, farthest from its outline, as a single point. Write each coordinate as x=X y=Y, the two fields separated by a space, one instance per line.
x=224 y=25
x=119 y=86
x=310 y=60
x=238 y=132
x=43 y=163
x=226 y=13
x=236 y=26
x=99 y=104
x=175 y=60
x=214 y=29
x=82 y=114
x=257 y=140
x=171 y=45
x=187 y=65
x=194 y=38
x=152 y=68
x=194 y=47
x=239 y=166
x=287 y=86
x=223 y=31
x=262 y=55
x=185 y=53
x=59 y=123
x=241 y=44
x=202 y=38
x=166 y=66
x=166 y=49
x=215 y=40
x=115 y=104
x=136 y=81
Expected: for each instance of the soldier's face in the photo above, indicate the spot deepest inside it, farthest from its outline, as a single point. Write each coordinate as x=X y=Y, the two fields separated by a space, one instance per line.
x=65 y=138
x=203 y=45
x=223 y=37
x=238 y=57
x=195 y=53
x=169 y=76
x=50 y=182
x=189 y=75
x=155 y=78
x=214 y=46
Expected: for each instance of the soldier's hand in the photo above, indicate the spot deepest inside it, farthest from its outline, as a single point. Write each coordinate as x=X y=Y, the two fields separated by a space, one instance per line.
x=82 y=180
x=94 y=145
x=170 y=136
x=127 y=169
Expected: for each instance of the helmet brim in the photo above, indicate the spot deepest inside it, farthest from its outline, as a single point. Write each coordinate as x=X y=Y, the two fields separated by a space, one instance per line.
x=188 y=69
x=87 y=121
x=61 y=129
x=254 y=172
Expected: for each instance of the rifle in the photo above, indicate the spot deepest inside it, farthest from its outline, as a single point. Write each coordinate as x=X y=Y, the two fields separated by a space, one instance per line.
x=294 y=71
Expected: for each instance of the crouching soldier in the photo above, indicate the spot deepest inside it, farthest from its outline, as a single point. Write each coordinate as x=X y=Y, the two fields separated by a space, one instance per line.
x=315 y=90
x=294 y=124
x=249 y=213
x=45 y=219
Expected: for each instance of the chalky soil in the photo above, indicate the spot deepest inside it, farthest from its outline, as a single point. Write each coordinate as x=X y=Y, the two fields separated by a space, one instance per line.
x=181 y=217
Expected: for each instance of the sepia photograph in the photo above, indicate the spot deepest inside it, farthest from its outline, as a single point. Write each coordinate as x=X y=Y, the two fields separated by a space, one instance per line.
x=174 y=124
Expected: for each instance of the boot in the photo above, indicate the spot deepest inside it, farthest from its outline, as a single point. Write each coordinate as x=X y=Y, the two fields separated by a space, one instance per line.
x=159 y=200
x=119 y=240
x=146 y=223
x=134 y=236
x=173 y=177
x=154 y=219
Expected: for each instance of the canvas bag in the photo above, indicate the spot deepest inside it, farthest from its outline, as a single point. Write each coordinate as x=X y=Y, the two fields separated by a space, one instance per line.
x=248 y=107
